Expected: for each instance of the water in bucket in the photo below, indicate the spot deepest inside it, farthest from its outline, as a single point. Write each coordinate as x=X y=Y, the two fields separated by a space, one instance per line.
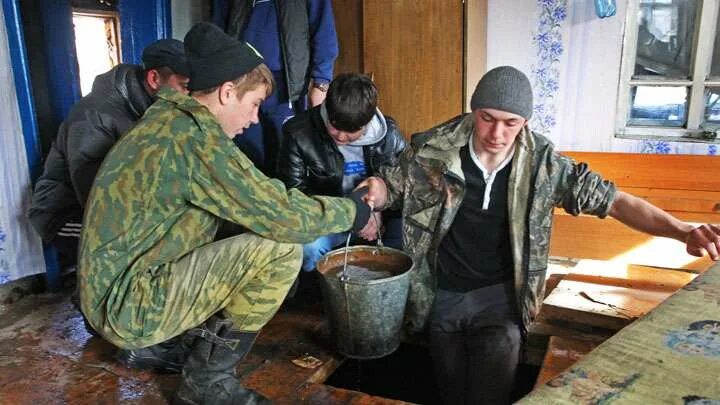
x=360 y=273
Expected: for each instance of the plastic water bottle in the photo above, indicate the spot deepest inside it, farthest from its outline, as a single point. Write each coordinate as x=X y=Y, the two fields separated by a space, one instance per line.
x=605 y=8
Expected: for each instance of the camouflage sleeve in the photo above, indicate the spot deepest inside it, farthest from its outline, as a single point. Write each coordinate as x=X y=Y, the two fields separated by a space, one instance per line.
x=394 y=177
x=225 y=183
x=579 y=190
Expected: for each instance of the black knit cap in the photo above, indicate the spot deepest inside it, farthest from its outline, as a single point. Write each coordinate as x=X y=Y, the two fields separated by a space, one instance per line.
x=504 y=88
x=215 y=57
x=166 y=52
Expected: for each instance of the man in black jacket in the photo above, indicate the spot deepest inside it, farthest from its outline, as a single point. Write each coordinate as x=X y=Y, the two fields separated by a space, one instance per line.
x=118 y=99
x=333 y=147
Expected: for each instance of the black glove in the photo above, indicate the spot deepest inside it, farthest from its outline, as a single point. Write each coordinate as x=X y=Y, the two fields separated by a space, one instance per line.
x=362 y=210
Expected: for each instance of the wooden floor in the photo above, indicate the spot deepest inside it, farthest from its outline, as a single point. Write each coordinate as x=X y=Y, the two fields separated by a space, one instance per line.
x=47 y=357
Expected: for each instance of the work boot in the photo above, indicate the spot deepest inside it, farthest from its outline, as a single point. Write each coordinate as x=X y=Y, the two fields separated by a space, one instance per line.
x=209 y=375
x=166 y=358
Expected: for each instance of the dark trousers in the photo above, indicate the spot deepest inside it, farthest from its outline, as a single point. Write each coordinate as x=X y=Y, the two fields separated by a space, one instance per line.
x=475 y=343
x=67 y=241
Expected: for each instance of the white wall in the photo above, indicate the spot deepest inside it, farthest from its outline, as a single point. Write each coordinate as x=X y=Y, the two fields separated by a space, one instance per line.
x=587 y=71
x=20 y=246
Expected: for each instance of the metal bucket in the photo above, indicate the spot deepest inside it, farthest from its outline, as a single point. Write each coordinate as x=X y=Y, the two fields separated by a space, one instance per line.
x=366 y=314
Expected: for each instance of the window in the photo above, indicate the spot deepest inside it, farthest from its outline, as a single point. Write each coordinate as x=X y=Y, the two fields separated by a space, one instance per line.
x=670 y=76
x=96 y=44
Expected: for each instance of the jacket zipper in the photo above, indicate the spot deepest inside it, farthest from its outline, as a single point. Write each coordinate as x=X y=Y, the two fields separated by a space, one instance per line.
x=283 y=51
x=449 y=175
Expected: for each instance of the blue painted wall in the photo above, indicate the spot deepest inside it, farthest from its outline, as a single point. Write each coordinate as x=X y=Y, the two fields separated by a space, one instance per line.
x=142 y=22
x=21 y=75
x=62 y=69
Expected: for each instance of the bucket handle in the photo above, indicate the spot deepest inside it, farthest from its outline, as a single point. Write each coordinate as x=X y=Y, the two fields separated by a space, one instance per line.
x=379 y=235
x=344 y=277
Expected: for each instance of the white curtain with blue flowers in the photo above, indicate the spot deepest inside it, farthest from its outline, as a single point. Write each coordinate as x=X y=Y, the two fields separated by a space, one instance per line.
x=20 y=246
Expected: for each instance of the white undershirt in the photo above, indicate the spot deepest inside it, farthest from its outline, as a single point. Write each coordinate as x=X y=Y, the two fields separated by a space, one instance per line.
x=489 y=176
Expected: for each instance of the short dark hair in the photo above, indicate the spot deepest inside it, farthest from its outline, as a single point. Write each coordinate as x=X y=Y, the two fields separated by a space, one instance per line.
x=351 y=101
x=163 y=71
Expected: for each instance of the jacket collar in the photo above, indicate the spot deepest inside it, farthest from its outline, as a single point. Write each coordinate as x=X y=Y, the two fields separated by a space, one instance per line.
x=444 y=143
x=198 y=112
x=127 y=80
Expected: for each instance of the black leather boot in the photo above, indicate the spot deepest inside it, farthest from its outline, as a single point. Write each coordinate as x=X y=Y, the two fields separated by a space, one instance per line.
x=166 y=358
x=209 y=374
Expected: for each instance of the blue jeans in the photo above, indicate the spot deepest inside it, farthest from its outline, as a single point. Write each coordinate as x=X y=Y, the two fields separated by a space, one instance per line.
x=313 y=251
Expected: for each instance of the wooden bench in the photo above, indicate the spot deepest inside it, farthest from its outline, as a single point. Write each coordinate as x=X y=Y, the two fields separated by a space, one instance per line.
x=687 y=186
x=618 y=274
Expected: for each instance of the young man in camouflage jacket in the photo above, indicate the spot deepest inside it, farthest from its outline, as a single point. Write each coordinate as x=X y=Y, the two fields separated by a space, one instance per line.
x=477 y=195
x=149 y=270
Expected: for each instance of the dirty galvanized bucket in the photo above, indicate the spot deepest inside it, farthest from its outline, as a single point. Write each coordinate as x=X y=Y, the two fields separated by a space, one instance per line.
x=366 y=310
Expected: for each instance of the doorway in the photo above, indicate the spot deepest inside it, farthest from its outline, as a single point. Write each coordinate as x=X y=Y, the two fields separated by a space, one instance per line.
x=96 y=43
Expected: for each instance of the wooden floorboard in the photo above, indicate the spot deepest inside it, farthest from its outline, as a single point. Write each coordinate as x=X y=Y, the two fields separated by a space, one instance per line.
x=561 y=354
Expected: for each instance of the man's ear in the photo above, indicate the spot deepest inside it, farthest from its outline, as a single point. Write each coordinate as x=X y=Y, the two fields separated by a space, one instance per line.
x=225 y=91
x=153 y=79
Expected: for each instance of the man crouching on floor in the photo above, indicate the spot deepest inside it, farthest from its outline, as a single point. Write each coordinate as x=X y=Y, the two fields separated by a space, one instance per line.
x=148 y=268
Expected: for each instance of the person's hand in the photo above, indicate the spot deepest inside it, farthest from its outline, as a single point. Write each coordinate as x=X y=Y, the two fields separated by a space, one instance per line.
x=704 y=238
x=316 y=96
x=376 y=196
x=370 y=231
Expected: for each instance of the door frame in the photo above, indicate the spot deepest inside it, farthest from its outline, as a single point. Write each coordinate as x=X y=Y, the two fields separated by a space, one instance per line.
x=63 y=79
x=475 y=52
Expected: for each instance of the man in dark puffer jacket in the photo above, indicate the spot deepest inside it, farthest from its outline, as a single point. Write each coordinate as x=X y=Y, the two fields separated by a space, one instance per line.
x=336 y=145
x=118 y=99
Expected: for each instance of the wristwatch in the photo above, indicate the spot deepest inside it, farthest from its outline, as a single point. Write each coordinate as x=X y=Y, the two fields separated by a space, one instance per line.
x=322 y=86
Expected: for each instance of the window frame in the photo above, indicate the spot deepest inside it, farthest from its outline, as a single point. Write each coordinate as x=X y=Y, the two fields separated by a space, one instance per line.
x=704 y=41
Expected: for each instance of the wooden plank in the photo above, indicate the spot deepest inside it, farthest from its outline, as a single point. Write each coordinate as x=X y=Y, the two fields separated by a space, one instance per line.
x=325 y=394
x=561 y=354
x=688 y=216
x=293 y=333
x=348 y=23
x=629 y=276
x=542 y=326
x=700 y=201
x=608 y=239
x=598 y=305
x=683 y=172
x=650 y=192
x=476 y=14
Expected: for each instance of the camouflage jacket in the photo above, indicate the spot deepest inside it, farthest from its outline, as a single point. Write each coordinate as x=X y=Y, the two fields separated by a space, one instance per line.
x=429 y=187
x=161 y=193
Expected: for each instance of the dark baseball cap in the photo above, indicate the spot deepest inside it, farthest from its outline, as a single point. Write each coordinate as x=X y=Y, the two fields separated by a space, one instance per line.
x=166 y=52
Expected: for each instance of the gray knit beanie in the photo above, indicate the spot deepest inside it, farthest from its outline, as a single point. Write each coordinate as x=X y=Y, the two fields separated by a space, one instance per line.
x=504 y=88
